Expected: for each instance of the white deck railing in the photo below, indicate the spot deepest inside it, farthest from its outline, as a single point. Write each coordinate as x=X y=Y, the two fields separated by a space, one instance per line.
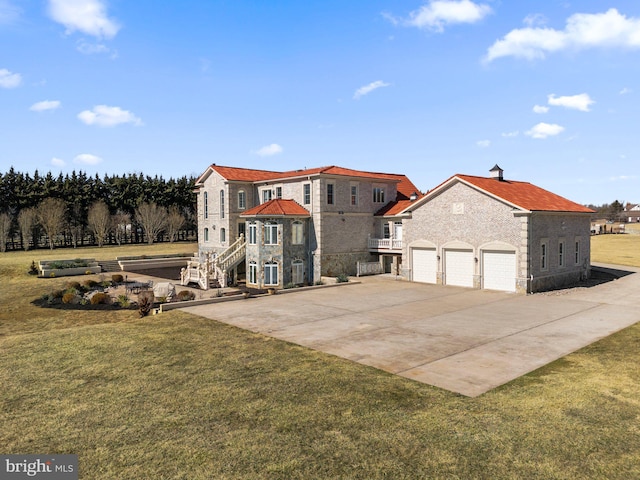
x=369 y=268
x=385 y=244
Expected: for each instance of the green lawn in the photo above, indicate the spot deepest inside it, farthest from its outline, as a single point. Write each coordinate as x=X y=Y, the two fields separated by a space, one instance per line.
x=178 y=396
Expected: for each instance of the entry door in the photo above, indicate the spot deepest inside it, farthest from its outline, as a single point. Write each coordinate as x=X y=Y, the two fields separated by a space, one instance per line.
x=459 y=267
x=499 y=271
x=424 y=265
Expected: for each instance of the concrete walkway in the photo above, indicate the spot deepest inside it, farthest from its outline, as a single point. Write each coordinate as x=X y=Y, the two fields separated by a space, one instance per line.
x=462 y=340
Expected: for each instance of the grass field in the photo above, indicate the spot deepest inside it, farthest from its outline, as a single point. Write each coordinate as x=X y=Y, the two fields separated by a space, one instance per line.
x=178 y=396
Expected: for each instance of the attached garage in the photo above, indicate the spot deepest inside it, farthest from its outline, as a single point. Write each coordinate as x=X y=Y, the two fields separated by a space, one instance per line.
x=459 y=267
x=499 y=271
x=424 y=265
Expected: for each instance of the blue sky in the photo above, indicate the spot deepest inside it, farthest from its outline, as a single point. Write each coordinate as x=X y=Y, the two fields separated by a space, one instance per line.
x=547 y=89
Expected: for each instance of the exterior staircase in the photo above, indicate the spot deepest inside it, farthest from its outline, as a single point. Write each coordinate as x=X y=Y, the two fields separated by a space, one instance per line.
x=217 y=269
x=109 y=265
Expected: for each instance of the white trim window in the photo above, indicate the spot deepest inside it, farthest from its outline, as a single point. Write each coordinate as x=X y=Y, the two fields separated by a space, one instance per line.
x=206 y=204
x=242 y=200
x=544 y=253
x=378 y=195
x=206 y=234
x=271 y=233
x=354 y=194
x=297 y=233
x=278 y=192
x=221 y=203
x=561 y=253
x=253 y=273
x=223 y=235
x=253 y=233
x=266 y=195
x=306 y=194
x=297 y=272
x=271 y=273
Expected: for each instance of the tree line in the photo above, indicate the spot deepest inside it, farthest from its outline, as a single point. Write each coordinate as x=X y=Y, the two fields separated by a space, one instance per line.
x=78 y=209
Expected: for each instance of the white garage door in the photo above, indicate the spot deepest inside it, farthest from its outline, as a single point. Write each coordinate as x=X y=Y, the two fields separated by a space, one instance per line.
x=425 y=265
x=458 y=267
x=499 y=271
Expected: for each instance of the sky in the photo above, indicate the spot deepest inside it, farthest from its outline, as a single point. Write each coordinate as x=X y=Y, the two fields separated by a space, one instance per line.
x=547 y=89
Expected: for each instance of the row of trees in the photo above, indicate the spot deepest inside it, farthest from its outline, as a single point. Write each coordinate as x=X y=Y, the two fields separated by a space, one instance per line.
x=78 y=209
x=614 y=211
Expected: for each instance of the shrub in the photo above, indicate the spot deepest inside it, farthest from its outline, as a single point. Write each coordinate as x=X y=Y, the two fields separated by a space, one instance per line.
x=74 y=285
x=342 y=278
x=319 y=282
x=69 y=297
x=290 y=285
x=33 y=269
x=117 y=278
x=145 y=302
x=100 y=298
x=184 y=295
x=90 y=283
x=57 y=293
x=123 y=301
x=52 y=274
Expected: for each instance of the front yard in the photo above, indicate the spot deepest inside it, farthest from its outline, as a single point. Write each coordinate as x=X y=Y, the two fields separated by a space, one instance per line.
x=178 y=396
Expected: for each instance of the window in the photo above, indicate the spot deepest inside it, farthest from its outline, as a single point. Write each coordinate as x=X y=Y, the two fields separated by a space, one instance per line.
x=297 y=233
x=306 y=193
x=223 y=235
x=266 y=196
x=386 y=231
x=543 y=256
x=378 y=195
x=253 y=272
x=270 y=233
x=278 y=192
x=206 y=234
x=206 y=204
x=330 y=198
x=221 y=203
x=561 y=253
x=271 y=273
x=297 y=272
x=242 y=229
x=577 y=252
x=242 y=200
x=354 y=194
x=253 y=233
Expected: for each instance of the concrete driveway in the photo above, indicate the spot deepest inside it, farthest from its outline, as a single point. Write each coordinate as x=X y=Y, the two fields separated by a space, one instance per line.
x=462 y=340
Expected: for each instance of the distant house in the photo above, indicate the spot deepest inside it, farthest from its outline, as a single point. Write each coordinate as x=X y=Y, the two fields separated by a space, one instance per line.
x=632 y=212
x=291 y=228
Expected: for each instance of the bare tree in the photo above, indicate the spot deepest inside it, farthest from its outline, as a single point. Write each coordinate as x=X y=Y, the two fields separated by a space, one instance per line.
x=51 y=217
x=152 y=218
x=175 y=221
x=99 y=221
x=26 y=222
x=5 y=229
x=120 y=223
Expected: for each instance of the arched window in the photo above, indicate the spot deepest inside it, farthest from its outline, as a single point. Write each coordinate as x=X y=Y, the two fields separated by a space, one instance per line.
x=223 y=235
x=271 y=233
x=242 y=200
x=297 y=233
x=221 y=203
x=253 y=273
x=253 y=233
x=271 y=273
x=297 y=272
x=206 y=234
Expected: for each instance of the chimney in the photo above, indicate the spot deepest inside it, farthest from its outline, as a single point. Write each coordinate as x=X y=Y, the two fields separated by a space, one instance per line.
x=496 y=172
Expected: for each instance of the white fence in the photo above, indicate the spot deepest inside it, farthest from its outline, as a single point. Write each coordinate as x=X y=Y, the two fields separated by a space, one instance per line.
x=369 y=268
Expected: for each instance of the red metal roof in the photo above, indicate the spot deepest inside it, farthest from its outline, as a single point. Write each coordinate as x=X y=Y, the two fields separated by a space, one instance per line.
x=524 y=195
x=278 y=208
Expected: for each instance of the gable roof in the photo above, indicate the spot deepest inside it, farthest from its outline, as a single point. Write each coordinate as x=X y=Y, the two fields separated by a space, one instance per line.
x=277 y=208
x=522 y=195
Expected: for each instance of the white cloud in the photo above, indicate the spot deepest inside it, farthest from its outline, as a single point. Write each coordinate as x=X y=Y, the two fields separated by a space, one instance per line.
x=9 y=13
x=362 y=91
x=8 y=79
x=583 y=30
x=105 y=116
x=483 y=143
x=269 y=150
x=440 y=13
x=577 y=102
x=94 y=48
x=58 y=162
x=534 y=19
x=540 y=109
x=625 y=90
x=511 y=134
x=544 y=130
x=87 y=159
x=86 y=16
x=45 y=105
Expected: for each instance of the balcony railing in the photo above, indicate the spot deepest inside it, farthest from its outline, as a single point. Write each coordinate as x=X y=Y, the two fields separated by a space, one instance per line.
x=391 y=244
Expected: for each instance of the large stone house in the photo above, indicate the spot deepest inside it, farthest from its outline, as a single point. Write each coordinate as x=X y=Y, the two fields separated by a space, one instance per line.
x=290 y=228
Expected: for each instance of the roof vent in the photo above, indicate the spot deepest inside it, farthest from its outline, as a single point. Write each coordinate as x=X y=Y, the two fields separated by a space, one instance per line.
x=496 y=172
x=414 y=196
